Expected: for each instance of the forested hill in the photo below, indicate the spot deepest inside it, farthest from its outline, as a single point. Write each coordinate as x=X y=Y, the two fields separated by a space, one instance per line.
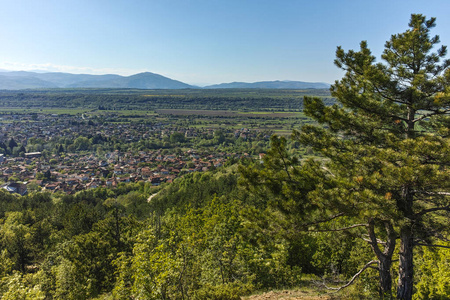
x=199 y=238
x=202 y=237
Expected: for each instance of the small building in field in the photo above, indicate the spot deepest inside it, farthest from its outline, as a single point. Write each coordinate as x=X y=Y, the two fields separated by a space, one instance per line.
x=15 y=187
x=33 y=154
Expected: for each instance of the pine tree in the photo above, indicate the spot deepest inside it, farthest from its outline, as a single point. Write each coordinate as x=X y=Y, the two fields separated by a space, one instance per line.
x=388 y=143
x=384 y=153
x=12 y=143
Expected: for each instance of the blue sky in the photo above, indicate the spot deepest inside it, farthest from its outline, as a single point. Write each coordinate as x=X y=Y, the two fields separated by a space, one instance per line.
x=202 y=41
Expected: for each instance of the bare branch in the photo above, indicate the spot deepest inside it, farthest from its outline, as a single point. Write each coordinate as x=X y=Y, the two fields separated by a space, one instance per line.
x=441 y=112
x=354 y=276
x=378 y=241
x=323 y=220
x=425 y=211
x=341 y=229
x=429 y=245
x=433 y=193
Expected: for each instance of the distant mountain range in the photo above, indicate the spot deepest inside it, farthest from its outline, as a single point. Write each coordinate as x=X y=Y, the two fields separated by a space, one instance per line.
x=18 y=80
x=271 y=85
x=31 y=80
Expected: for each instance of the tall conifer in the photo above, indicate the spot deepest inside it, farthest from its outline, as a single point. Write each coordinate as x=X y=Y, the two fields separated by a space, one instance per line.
x=384 y=153
x=388 y=144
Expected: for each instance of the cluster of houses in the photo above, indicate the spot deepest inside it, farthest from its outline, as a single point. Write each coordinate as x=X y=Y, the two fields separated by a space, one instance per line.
x=45 y=127
x=72 y=171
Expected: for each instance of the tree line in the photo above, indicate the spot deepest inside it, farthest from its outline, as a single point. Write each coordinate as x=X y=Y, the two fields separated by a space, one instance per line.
x=264 y=100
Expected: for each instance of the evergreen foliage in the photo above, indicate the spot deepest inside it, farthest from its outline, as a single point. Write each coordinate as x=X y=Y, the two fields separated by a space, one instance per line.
x=383 y=172
x=434 y=273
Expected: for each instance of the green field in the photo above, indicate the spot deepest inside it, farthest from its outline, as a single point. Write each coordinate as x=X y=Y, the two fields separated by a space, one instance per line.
x=277 y=111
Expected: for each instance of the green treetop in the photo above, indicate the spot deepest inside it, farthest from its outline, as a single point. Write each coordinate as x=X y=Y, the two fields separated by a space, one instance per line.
x=388 y=144
x=385 y=152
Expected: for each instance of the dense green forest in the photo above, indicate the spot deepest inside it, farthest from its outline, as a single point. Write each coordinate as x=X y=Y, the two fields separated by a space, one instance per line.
x=203 y=237
x=355 y=201
x=116 y=99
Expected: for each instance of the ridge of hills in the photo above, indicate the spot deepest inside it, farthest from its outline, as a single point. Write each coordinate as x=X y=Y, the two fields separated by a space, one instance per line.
x=277 y=84
x=16 y=80
x=19 y=80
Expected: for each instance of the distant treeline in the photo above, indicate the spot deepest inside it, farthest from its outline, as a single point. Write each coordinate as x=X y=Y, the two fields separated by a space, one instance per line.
x=129 y=99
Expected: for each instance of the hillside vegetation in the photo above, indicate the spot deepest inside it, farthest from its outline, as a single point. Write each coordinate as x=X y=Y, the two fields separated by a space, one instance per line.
x=355 y=201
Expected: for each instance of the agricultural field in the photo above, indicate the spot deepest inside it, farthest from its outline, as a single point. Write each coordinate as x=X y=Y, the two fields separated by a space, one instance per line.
x=278 y=111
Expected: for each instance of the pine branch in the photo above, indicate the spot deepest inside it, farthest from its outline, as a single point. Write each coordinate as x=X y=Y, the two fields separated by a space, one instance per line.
x=386 y=97
x=340 y=229
x=285 y=165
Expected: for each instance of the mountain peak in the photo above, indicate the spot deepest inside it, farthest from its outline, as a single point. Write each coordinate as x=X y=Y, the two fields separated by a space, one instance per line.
x=15 y=80
x=145 y=80
x=144 y=74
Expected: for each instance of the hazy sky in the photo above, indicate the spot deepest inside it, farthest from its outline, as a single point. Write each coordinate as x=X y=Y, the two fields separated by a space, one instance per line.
x=202 y=41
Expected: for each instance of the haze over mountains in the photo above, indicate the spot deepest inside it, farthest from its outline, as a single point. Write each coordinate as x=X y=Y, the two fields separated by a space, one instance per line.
x=17 y=80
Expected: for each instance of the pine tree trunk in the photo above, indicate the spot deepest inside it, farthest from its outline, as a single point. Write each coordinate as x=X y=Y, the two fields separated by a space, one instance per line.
x=385 y=277
x=406 y=272
x=384 y=257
